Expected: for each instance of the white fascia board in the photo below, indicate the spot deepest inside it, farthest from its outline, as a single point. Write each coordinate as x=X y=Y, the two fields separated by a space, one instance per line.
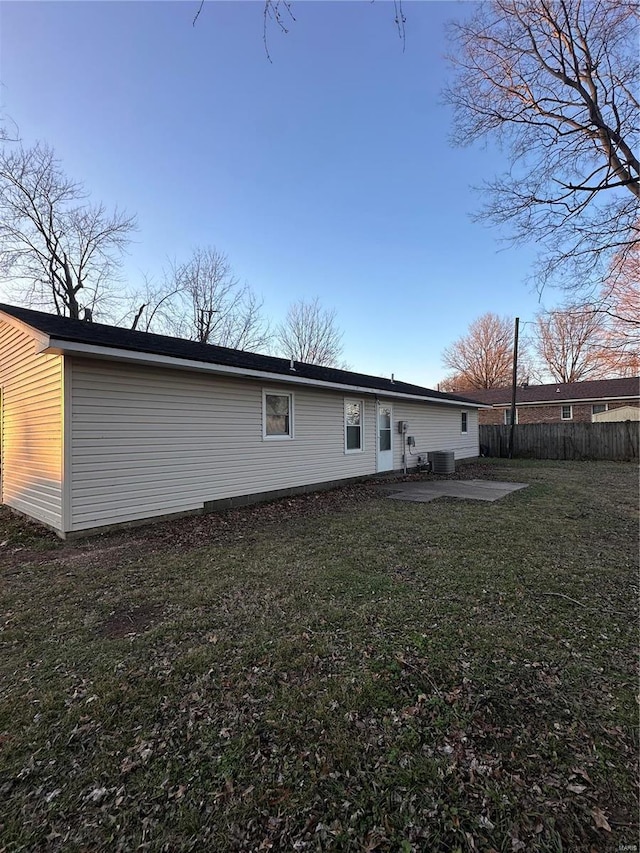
x=62 y=347
x=40 y=338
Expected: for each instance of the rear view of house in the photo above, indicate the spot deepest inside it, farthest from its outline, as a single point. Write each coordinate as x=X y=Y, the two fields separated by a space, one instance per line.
x=103 y=426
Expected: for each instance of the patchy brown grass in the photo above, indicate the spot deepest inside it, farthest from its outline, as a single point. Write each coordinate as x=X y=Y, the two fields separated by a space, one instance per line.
x=330 y=673
x=129 y=621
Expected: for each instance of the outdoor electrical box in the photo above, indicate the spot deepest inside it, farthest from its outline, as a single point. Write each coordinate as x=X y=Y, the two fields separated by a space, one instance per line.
x=411 y=441
x=403 y=426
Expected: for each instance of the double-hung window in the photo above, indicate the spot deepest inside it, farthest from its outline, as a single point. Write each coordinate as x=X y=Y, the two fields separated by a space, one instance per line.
x=566 y=413
x=277 y=415
x=353 y=426
x=463 y=422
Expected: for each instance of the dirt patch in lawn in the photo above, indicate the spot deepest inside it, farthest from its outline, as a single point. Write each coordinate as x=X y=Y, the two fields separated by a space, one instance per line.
x=131 y=620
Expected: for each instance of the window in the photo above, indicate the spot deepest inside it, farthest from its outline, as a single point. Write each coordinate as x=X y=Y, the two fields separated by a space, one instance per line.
x=599 y=407
x=353 y=426
x=507 y=417
x=277 y=415
x=463 y=422
x=567 y=413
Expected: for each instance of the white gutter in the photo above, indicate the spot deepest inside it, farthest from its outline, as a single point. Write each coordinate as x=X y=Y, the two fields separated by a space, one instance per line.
x=569 y=400
x=62 y=347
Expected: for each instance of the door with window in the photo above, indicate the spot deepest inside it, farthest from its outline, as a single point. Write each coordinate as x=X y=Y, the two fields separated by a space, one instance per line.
x=385 y=437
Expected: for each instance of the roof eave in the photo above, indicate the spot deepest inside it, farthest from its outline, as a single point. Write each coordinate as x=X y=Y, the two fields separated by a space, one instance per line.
x=61 y=347
x=569 y=400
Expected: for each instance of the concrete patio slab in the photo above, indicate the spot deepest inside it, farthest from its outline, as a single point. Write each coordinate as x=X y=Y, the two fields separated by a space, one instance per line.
x=473 y=490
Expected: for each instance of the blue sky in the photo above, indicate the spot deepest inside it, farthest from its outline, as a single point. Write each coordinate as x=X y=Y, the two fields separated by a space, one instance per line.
x=328 y=172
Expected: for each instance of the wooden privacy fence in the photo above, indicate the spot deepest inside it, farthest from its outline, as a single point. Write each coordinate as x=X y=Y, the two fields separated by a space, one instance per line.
x=615 y=441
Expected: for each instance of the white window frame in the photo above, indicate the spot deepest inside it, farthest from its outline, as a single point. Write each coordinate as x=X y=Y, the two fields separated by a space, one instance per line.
x=464 y=422
x=360 y=449
x=277 y=392
x=606 y=408
x=505 y=417
x=562 y=408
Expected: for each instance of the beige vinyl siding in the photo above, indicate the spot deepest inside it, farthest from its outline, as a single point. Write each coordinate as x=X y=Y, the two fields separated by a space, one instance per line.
x=31 y=440
x=434 y=427
x=152 y=441
x=623 y=413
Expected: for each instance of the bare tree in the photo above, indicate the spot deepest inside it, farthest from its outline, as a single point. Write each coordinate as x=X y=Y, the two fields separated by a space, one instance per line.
x=9 y=131
x=483 y=358
x=568 y=342
x=203 y=300
x=555 y=83
x=619 y=304
x=151 y=307
x=455 y=383
x=279 y=14
x=309 y=333
x=58 y=250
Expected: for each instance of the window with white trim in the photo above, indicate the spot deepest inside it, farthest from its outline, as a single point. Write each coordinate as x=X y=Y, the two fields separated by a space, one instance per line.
x=566 y=413
x=463 y=422
x=599 y=407
x=353 y=426
x=507 y=417
x=277 y=415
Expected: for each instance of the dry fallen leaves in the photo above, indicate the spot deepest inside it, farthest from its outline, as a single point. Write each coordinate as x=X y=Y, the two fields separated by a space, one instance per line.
x=599 y=819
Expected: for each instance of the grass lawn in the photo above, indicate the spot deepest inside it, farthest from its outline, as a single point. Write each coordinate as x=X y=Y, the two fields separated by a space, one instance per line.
x=331 y=673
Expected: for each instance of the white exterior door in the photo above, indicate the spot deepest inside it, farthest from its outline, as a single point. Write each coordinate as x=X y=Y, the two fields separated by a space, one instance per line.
x=385 y=437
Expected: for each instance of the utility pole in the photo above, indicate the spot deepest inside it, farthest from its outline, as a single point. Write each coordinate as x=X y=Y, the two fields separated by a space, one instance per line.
x=514 y=386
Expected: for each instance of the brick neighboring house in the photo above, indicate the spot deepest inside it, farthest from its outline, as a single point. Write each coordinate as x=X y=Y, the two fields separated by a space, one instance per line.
x=558 y=402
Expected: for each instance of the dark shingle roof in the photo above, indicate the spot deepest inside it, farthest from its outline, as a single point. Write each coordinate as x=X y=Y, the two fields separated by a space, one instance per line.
x=98 y=334
x=596 y=389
